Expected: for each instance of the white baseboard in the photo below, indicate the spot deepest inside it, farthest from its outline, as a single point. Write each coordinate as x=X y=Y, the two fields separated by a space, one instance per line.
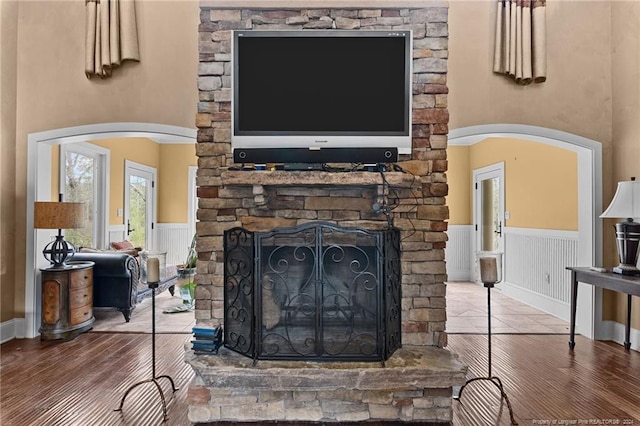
x=7 y=330
x=459 y=276
x=539 y=301
x=614 y=331
x=12 y=329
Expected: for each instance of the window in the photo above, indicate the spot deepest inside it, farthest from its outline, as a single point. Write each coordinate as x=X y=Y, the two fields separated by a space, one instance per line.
x=83 y=180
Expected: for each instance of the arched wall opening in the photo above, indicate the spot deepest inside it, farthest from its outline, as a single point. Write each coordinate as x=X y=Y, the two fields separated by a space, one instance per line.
x=588 y=237
x=39 y=171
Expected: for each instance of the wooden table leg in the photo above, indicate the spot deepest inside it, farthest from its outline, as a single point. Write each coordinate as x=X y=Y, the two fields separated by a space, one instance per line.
x=572 y=325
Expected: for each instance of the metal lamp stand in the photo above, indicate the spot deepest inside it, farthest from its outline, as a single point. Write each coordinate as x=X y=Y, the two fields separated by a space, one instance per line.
x=154 y=379
x=491 y=378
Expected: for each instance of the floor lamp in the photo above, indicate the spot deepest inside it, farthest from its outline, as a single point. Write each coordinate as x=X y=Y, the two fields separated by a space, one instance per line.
x=490 y=275
x=153 y=278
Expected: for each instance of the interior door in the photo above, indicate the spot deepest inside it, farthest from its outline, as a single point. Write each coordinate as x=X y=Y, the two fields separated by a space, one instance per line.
x=488 y=200
x=139 y=204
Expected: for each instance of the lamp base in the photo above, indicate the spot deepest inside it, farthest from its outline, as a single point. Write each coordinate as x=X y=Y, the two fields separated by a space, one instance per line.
x=626 y=270
x=59 y=251
x=628 y=245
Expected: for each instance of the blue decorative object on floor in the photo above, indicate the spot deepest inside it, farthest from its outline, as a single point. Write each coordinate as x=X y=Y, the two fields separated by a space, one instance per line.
x=207 y=340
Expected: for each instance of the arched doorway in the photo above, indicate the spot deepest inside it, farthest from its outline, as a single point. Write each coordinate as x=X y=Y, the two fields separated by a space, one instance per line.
x=589 y=234
x=38 y=185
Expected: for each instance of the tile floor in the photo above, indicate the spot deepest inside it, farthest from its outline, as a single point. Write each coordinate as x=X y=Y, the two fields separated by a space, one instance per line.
x=467 y=313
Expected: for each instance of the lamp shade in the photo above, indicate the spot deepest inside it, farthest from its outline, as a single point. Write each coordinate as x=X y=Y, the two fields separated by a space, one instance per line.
x=58 y=215
x=626 y=201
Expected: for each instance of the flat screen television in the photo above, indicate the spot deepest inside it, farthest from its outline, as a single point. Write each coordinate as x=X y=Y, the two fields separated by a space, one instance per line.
x=319 y=96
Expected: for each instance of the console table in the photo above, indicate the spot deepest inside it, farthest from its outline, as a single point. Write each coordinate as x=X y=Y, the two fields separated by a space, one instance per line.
x=67 y=300
x=626 y=284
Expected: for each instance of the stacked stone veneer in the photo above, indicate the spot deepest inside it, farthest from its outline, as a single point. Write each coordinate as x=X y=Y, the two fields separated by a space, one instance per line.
x=260 y=201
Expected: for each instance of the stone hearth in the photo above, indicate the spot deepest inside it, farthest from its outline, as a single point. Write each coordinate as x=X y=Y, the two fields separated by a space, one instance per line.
x=416 y=383
x=415 y=386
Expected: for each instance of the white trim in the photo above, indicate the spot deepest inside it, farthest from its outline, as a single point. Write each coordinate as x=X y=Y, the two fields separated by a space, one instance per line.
x=102 y=156
x=132 y=168
x=491 y=171
x=12 y=329
x=589 y=197
x=39 y=153
x=160 y=133
x=467 y=136
x=7 y=330
x=546 y=233
x=192 y=201
x=167 y=225
x=539 y=301
x=615 y=332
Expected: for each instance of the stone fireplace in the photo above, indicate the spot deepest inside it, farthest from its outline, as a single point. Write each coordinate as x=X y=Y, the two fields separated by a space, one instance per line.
x=415 y=383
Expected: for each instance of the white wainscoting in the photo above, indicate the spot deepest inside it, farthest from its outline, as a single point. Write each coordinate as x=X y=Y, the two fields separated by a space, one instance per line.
x=535 y=262
x=116 y=233
x=459 y=253
x=174 y=238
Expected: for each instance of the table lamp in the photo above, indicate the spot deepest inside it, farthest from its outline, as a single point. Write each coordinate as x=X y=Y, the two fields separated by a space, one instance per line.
x=626 y=204
x=58 y=215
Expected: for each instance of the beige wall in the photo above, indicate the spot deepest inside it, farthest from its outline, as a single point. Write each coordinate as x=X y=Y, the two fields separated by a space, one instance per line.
x=141 y=150
x=54 y=92
x=171 y=162
x=459 y=178
x=8 y=76
x=541 y=182
x=175 y=160
x=579 y=96
x=626 y=129
x=576 y=97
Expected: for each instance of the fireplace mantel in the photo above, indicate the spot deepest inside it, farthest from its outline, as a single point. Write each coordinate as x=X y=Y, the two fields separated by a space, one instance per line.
x=317 y=178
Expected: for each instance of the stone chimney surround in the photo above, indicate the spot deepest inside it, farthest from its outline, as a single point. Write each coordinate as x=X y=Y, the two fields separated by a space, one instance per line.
x=415 y=385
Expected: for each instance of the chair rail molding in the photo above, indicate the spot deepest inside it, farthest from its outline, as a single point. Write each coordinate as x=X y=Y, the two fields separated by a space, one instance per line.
x=38 y=187
x=589 y=154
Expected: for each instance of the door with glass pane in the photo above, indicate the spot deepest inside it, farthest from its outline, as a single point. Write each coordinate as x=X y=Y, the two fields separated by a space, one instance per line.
x=139 y=204
x=82 y=180
x=488 y=200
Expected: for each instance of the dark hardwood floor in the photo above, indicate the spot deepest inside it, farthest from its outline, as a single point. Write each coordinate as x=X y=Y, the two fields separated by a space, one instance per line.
x=598 y=383
x=82 y=381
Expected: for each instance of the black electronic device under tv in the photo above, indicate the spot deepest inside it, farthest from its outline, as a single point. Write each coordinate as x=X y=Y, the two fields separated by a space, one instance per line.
x=316 y=96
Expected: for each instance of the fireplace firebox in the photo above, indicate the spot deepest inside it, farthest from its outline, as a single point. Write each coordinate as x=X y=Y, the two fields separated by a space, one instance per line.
x=316 y=292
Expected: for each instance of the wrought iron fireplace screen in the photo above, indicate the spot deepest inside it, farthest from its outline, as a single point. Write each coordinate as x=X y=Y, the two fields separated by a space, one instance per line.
x=314 y=292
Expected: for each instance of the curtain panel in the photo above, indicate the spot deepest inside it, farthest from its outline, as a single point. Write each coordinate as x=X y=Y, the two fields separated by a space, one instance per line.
x=520 y=45
x=111 y=36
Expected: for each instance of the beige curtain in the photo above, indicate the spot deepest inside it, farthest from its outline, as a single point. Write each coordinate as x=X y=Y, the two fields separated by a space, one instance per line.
x=520 y=47
x=111 y=36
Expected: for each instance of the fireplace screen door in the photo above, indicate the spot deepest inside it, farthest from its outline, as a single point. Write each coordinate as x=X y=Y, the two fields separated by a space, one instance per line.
x=314 y=292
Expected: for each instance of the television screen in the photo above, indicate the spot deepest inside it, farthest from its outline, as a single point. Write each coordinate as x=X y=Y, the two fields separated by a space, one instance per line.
x=318 y=90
